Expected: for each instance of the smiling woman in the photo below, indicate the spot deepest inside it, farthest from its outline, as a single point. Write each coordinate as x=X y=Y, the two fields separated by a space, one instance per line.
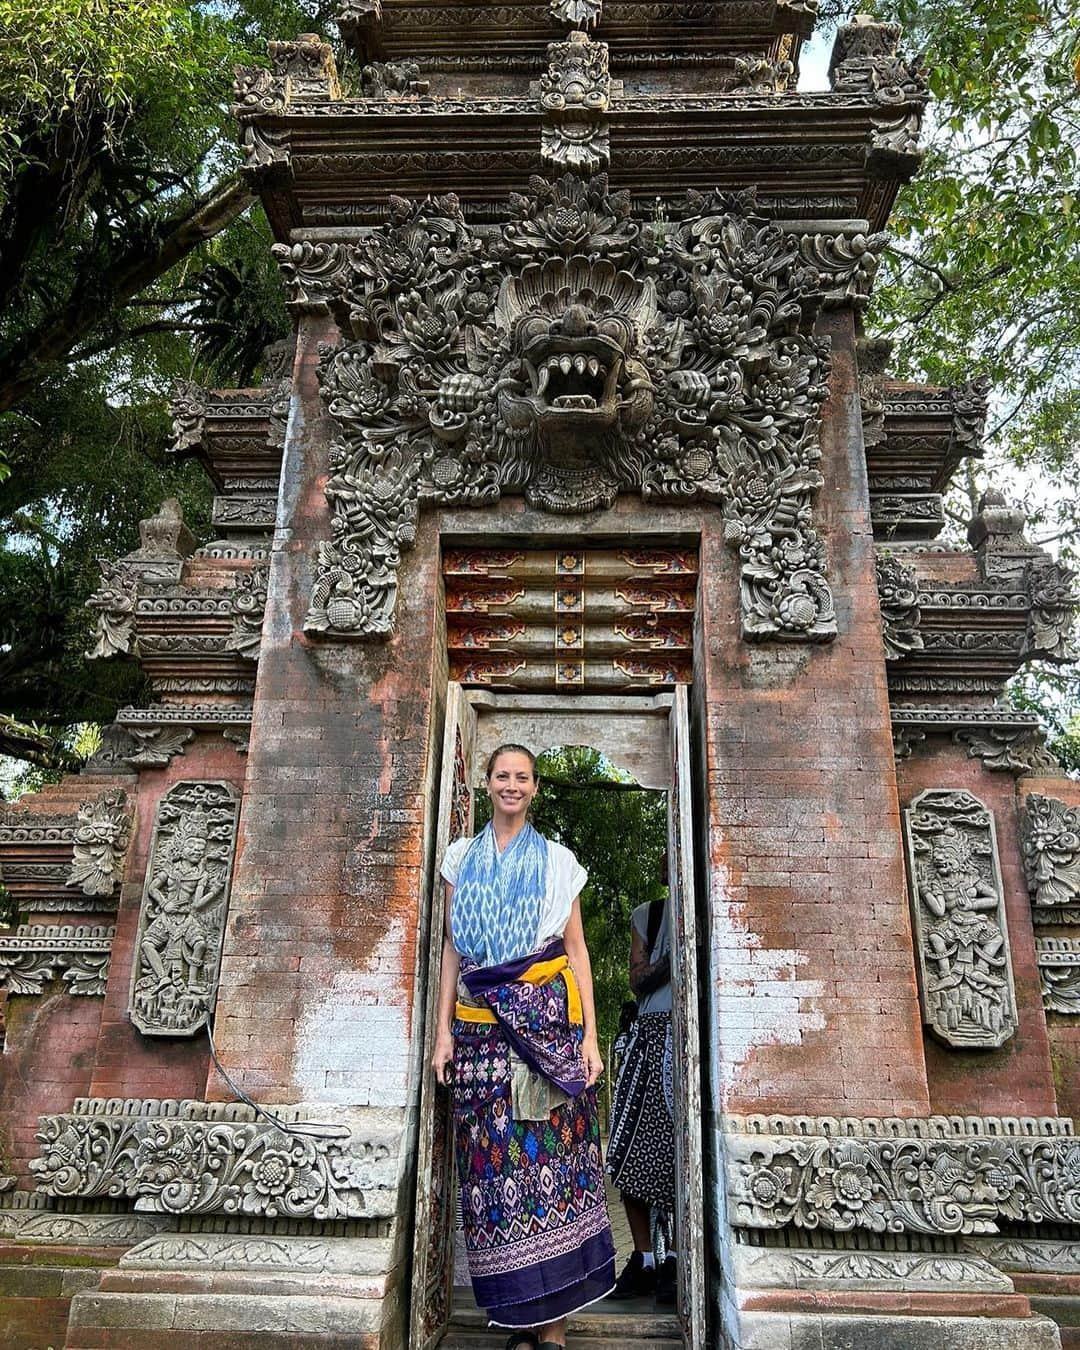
x=516 y=1036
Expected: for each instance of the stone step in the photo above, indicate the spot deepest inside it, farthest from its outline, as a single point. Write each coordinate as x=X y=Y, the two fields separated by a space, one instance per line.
x=496 y=1340
x=630 y=1326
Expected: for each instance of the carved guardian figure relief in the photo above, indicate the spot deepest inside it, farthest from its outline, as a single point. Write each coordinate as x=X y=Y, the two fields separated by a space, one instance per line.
x=182 y=920
x=573 y=354
x=958 y=910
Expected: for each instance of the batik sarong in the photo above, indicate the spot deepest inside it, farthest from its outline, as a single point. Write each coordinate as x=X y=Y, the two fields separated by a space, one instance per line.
x=535 y=1217
x=641 y=1149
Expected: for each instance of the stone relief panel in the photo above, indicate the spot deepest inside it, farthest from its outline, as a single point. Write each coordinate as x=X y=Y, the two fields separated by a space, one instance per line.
x=942 y=1175
x=958 y=914
x=185 y=898
x=569 y=356
x=1050 y=838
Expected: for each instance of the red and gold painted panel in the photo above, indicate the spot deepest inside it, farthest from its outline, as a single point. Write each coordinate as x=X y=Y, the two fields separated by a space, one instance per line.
x=570 y=618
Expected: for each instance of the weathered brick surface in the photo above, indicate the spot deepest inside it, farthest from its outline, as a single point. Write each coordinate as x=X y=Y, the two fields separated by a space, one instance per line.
x=317 y=982
x=1016 y=1079
x=812 y=981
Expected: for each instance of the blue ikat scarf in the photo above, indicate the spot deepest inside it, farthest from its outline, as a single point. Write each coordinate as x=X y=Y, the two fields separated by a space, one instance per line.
x=495 y=909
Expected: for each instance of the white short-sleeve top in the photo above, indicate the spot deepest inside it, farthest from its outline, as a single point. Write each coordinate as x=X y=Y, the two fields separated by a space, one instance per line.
x=565 y=879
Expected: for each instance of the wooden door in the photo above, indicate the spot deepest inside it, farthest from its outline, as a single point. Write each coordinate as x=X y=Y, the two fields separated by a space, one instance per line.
x=436 y=1182
x=689 y=1198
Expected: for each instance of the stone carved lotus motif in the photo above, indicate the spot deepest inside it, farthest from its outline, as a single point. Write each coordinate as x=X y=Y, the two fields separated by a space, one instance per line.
x=572 y=355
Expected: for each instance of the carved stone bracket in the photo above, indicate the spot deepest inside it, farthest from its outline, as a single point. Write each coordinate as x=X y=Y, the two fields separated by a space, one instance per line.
x=845 y=265
x=1059 y=971
x=300 y=72
x=574 y=96
x=185 y=899
x=571 y=356
x=156 y=745
x=37 y=953
x=100 y=843
x=898 y=592
x=247 y=600
x=1051 y=631
x=1050 y=837
x=942 y=1175
x=1004 y=739
x=958 y=917
x=577 y=13
x=210 y=1158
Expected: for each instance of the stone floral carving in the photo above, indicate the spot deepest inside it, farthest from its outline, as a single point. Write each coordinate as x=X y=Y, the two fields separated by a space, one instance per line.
x=961 y=939
x=914 y=1176
x=1052 y=622
x=198 y=1158
x=384 y=79
x=578 y=13
x=759 y=75
x=156 y=745
x=1050 y=835
x=248 y=604
x=1059 y=970
x=100 y=842
x=181 y=923
x=572 y=356
x=898 y=592
x=37 y=953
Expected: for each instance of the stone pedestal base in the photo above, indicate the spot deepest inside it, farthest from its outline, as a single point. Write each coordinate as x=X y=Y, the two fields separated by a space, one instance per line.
x=790 y=1299
x=246 y=1292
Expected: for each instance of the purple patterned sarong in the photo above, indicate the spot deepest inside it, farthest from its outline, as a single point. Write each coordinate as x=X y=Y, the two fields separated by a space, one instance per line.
x=536 y=1225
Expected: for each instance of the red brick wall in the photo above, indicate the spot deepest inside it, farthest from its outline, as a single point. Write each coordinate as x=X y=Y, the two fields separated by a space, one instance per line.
x=1062 y=1029
x=814 y=1004
x=1015 y=1079
x=317 y=983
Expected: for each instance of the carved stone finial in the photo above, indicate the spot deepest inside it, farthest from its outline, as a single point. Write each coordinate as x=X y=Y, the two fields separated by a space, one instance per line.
x=358 y=22
x=866 y=59
x=958 y=912
x=100 y=842
x=164 y=536
x=307 y=67
x=996 y=533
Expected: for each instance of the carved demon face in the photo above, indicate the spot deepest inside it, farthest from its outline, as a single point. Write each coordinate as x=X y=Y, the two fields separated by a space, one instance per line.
x=575 y=329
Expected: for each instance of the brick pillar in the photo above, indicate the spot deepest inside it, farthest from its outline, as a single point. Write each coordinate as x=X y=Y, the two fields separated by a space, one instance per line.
x=317 y=981
x=811 y=999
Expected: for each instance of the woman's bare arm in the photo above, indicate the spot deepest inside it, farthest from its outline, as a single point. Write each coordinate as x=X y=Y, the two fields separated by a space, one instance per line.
x=578 y=954
x=448 y=981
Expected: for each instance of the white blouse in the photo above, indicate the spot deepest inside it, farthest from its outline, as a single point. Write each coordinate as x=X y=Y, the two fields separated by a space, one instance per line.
x=565 y=879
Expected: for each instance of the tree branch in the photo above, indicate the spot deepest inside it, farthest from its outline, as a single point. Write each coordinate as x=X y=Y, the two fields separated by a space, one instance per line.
x=57 y=335
x=30 y=743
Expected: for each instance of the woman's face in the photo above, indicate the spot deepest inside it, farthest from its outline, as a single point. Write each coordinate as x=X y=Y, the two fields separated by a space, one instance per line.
x=511 y=785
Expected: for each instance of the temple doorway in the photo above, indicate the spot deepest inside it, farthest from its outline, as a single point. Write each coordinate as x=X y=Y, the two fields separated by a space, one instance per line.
x=647 y=739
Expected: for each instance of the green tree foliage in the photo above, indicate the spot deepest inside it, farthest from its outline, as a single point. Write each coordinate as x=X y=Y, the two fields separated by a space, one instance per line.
x=130 y=256
x=619 y=834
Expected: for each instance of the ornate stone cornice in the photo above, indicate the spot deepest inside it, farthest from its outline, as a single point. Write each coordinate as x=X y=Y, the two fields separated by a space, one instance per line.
x=37 y=953
x=941 y=1175
x=193 y=1157
x=1002 y=738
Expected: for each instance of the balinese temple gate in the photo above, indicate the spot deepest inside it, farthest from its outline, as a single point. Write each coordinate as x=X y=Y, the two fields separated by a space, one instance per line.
x=580 y=443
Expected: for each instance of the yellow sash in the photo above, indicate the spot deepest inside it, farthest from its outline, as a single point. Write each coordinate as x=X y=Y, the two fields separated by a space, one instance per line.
x=540 y=972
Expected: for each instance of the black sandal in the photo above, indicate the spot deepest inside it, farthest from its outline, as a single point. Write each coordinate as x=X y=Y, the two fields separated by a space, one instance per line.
x=522 y=1340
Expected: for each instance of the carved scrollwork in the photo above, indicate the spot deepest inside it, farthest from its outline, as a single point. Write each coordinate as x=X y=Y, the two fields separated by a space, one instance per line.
x=958 y=910
x=1052 y=621
x=898 y=592
x=1059 y=971
x=114 y=603
x=893 y=1180
x=247 y=601
x=37 y=953
x=182 y=919
x=193 y=1158
x=570 y=357
x=1050 y=836
x=100 y=842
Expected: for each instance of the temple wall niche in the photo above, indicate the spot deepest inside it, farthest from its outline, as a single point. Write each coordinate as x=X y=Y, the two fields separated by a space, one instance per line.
x=319 y=965
x=811 y=977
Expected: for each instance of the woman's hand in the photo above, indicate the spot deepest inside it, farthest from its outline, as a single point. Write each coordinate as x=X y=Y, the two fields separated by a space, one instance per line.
x=442 y=1061
x=594 y=1065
